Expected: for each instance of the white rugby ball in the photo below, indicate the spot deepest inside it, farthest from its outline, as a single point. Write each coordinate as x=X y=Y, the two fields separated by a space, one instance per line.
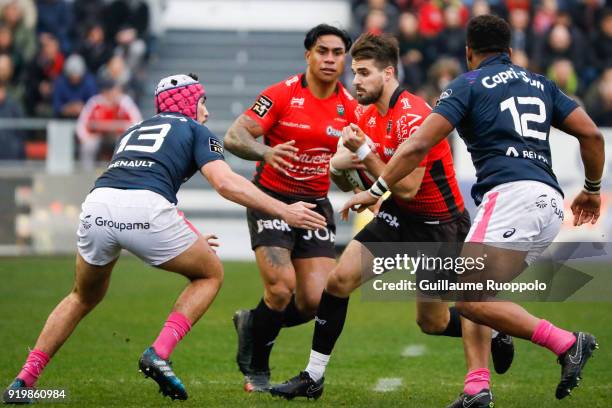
x=360 y=179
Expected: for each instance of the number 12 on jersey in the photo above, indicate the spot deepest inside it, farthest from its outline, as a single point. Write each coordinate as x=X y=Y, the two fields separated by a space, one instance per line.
x=156 y=133
x=521 y=121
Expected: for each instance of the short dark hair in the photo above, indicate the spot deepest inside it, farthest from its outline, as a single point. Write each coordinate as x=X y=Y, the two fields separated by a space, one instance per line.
x=382 y=48
x=325 y=29
x=488 y=34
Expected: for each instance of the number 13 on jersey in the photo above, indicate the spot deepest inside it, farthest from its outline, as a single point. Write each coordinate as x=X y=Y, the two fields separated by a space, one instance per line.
x=156 y=133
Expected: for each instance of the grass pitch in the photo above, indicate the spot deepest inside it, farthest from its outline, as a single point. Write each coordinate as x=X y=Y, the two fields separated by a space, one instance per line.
x=98 y=364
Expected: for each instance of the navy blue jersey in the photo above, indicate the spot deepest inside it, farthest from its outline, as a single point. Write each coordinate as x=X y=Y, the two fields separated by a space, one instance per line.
x=159 y=154
x=504 y=114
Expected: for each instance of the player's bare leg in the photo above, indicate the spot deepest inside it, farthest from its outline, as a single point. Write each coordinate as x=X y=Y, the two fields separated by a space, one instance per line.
x=504 y=265
x=90 y=285
x=200 y=264
x=346 y=276
x=258 y=328
x=311 y=278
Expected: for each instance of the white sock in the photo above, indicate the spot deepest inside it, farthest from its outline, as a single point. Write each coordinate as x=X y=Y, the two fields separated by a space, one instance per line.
x=316 y=365
x=494 y=333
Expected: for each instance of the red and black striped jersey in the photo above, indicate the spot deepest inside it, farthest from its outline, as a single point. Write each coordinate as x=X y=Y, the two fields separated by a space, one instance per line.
x=438 y=198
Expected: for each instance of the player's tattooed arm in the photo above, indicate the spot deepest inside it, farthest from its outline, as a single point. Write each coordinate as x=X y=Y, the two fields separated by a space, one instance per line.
x=240 y=139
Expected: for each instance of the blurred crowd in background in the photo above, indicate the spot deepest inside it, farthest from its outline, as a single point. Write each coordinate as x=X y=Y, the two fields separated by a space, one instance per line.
x=83 y=59
x=569 y=41
x=86 y=59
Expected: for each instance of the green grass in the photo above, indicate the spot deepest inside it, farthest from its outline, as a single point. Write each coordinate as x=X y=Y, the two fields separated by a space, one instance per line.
x=98 y=365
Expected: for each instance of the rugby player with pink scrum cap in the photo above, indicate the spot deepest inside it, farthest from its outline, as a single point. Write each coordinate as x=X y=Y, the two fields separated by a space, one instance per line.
x=132 y=206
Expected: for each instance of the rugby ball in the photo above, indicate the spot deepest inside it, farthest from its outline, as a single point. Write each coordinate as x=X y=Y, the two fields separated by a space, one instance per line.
x=360 y=179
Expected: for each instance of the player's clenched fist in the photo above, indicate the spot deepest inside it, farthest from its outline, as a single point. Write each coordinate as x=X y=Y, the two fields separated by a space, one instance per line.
x=300 y=215
x=353 y=137
x=278 y=156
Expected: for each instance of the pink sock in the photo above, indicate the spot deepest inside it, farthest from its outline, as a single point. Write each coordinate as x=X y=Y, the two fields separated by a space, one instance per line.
x=476 y=380
x=553 y=338
x=33 y=367
x=175 y=328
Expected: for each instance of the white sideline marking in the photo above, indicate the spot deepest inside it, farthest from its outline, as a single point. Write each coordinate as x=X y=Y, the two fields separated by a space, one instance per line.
x=414 y=350
x=387 y=384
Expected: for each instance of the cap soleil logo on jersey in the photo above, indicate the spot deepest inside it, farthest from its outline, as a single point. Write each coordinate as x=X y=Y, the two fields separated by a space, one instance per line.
x=340 y=109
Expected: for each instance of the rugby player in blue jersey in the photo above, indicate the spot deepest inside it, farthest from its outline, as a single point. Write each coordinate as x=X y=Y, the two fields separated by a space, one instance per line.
x=132 y=206
x=504 y=113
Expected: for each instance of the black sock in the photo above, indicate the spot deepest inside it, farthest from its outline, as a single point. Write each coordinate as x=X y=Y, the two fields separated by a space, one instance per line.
x=453 y=329
x=329 y=322
x=292 y=315
x=266 y=325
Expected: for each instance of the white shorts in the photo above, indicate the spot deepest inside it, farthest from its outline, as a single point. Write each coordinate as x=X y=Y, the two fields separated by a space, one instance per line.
x=141 y=221
x=522 y=215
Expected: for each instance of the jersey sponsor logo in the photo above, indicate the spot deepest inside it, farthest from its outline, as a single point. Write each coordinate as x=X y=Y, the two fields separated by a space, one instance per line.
x=541 y=201
x=131 y=163
x=512 y=152
x=508 y=76
x=556 y=209
x=294 y=125
x=262 y=105
x=311 y=163
x=275 y=224
x=404 y=126
x=448 y=92
x=121 y=226
x=215 y=146
x=389 y=151
x=371 y=121
x=322 y=234
x=389 y=219
x=297 y=102
x=292 y=80
x=86 y=222
x=333 y=132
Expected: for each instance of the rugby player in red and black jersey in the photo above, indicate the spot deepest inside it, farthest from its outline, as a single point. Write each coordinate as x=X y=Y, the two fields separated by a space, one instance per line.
x=425 y=206
x=301 y=120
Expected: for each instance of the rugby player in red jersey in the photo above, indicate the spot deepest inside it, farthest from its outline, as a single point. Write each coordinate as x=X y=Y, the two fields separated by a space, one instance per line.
x=301 y=120
x=426 y=206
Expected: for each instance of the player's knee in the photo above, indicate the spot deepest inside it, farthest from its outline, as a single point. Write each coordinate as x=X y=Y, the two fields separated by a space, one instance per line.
x=278 y=296
x=341 y=284
x=471 y=310
x=308 y=305
x=430 y=325
x=87 y=300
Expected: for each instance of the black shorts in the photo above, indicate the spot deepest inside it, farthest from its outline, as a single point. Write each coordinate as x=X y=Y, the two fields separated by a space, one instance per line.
x=266 y=230
x=392 y=224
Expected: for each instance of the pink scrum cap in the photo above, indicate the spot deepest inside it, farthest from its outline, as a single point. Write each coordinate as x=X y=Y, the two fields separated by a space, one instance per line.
x=179 y=93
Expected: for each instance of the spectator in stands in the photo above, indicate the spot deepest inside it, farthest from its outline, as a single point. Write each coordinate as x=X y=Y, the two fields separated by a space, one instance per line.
x=522 y=36
x=127 y=13
x=12 y=141
x=598 y=100
x=103 y=119
x=73 y=88
x=94 y=48
x=40 y=74
x=117 y=70
x=602 y=42
x=131 y=48
x=450 y=42
x=545 y=16
x=560 y=43
x=7 y=47
x=586 y=14
x=431 y=15
x=373 y=9
x=439 y=75
x=28 y=9
x=13 y=87
x=87 y=13
x=563 y=73
x=414 y=51
x=24 y=37
x=55 y=16
x=480 y=8
x=375 y=22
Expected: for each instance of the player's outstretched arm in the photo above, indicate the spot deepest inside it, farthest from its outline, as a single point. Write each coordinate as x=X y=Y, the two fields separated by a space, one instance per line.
x=586 y=206
x=240 y=139
x=236 y=188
